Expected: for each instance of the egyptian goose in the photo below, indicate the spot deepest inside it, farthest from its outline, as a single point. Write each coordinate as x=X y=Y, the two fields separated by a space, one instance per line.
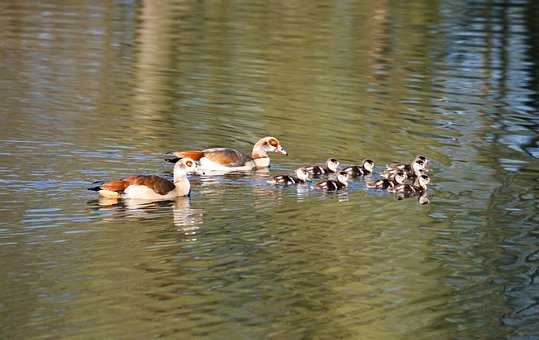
x=412 y=170
x=423 y=199
x=150 y=187
x=332 y=185
x=418 y=188
x=417 y=158
x=226 y=159
x=317 y=170
x=301 y=178
x=396 y=178
x=364 y=169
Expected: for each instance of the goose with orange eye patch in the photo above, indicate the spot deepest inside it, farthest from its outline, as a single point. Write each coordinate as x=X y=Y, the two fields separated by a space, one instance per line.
x=273 y=145
x=150 y=187
x=219 y=160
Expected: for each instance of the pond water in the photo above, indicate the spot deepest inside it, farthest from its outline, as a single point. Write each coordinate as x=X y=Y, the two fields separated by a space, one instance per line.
x=100 y=90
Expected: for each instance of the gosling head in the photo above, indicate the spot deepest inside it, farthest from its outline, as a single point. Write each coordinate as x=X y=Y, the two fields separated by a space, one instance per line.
x=418 y=166
x=421 y=158
x=400 y=177
x=368 y=165
x=302 y=174
x=424 y=180
x=343 y=177
x=332 y=164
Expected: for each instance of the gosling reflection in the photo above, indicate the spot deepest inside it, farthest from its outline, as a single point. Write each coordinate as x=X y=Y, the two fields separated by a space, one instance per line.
x=422 y=198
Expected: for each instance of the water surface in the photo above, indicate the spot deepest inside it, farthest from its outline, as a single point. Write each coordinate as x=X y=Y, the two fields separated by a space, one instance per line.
x=102 y=90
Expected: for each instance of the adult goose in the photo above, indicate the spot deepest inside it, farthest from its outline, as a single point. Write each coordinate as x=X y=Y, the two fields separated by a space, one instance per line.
x=150 y=187
x=226 y=159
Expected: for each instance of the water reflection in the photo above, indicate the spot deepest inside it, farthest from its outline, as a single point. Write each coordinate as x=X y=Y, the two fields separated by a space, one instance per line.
x=183 y=216
x=101 y=89
x=422 y=198
x=186 y=218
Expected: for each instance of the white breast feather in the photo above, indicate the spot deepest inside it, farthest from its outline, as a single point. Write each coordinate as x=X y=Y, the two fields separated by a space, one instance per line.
x=144 y=192
x=207 y=164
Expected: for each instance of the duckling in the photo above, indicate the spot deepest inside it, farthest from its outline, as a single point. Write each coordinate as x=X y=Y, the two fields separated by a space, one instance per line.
x=301 y=177
x=397 y=178
x=423 y=199
x=333 y=185
x=422 y=158
x=412 y=170
x=418 y=188
x=150 y=187
x=316 y=170
x=364 y=169
x=400 y=165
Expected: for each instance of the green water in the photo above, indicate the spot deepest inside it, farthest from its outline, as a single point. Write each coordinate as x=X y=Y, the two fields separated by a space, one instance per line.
x=101 y=90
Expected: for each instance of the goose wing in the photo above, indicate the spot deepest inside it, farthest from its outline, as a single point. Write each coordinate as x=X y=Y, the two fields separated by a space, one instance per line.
x=226 y=156
x=157 y=184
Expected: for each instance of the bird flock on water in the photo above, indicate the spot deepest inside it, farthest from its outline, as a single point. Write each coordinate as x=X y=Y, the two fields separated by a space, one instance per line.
x=402 y=179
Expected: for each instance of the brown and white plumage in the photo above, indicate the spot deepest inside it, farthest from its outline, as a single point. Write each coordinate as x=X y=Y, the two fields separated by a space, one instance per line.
x=332 y=185
x=417 y=158
x=150 y=187
x=412 y=170
x=423 y=198
x=331 y=166
x=418 y=188
x=397 y=178
x=301 y=177
x=226 y=159
x=364 y=169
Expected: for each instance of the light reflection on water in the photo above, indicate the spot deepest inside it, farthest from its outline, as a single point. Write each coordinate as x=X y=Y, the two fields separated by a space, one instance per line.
x=105 y=90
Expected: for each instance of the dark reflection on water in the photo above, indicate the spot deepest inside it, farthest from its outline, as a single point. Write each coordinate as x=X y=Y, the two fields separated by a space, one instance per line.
x=101 y=90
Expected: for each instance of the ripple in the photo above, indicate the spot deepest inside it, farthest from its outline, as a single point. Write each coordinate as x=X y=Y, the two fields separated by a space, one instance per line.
x=100 y=91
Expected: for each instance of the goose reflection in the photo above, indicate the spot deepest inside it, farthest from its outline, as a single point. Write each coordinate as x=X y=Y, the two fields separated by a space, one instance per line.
x=183 y=216
x=187 y=219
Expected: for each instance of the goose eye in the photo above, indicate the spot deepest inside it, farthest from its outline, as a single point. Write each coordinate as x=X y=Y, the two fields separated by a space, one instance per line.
x=273 y=142
x=189 y=163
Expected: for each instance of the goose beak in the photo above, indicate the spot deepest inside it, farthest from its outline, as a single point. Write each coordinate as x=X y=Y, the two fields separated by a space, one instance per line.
x=172 y=159
x=282 y=150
